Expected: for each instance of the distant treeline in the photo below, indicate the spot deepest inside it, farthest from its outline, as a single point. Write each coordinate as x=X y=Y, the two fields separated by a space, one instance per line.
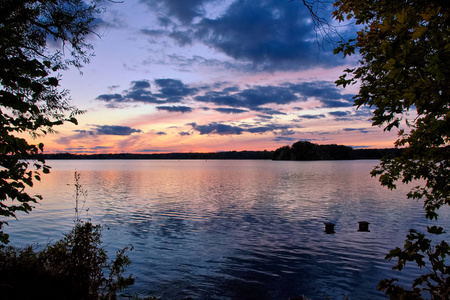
x=213 y=155
x=301 y=150
x=304 y=150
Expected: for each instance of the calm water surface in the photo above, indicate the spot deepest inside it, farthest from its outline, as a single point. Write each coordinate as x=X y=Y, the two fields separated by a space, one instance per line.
x=234 y=229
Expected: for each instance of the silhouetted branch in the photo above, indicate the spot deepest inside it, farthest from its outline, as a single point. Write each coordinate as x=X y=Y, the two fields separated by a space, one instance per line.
x=322 y=25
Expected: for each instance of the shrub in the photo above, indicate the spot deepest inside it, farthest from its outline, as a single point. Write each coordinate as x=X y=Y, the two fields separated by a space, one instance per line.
x=75 y=267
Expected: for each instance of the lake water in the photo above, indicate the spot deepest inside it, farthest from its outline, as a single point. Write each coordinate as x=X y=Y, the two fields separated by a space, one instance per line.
x=234 y=229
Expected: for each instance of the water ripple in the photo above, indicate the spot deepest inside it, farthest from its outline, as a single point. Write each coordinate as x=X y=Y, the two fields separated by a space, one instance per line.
x=236 y=229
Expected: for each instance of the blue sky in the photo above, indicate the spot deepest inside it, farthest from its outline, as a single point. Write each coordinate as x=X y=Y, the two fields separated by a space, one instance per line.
x=207 y=75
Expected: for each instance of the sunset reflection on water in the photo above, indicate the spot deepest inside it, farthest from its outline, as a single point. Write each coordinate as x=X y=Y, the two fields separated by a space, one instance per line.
x=234 y=229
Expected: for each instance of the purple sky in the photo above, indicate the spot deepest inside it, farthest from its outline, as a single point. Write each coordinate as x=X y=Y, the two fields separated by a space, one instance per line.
x=207 y=75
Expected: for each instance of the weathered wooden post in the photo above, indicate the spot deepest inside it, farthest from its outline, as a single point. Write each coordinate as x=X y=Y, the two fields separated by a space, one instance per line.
x=363 y=226
x=329 y=227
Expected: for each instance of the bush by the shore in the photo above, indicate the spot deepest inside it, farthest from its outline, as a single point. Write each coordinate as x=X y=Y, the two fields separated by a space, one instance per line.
x=75 y=267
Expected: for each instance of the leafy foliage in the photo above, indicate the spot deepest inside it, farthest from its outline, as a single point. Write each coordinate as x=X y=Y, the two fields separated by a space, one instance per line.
x=30 y=102
x=72 y=268
x=404 y=75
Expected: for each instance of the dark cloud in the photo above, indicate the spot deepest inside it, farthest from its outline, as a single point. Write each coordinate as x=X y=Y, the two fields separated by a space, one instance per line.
x=216 y=128
x=343 y=116
x=269 y=34
x=361 y=130
x=326 y=92
x=256 y=97
x=264 y=129
x=173 y=87
x=95 y=132
x=286 y=132
x=182 y=38
x=261 y=95
x=339 y=114
x=161 y=133
x=336 y=103
x=188 y=63
x=225 y=129
x=269 y=111
x=284 y=139
x=141 y=95
x=311 y=117
x=184 y=133
x=154 y=32
x=266 y=117
x=89 y=132
x=182 y=109
x=168 y=91
x=110 y=97
x=182 y=10
x=140 y=85
x=115 y=130
x=230 y=89
x=251 y=98
x=163 y=20
x=154 y=150
x=113 y=87
x=235 y=100
x=220 y=98
x=77 y=148
x=138 y=92
x=230 y=110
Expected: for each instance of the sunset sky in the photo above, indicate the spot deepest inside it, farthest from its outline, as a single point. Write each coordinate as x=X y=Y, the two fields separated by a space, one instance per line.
x=210 y=75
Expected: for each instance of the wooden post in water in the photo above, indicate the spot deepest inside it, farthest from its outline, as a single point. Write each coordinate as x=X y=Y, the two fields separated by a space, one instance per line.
x=363 y=226
x=329 y=227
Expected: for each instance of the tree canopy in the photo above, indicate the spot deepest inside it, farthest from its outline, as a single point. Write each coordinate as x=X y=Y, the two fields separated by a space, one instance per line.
x=404 y=75
x=38 y=38
x=304 y=150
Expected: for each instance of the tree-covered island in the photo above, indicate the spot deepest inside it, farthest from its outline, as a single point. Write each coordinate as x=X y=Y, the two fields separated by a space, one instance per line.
x=304 y=150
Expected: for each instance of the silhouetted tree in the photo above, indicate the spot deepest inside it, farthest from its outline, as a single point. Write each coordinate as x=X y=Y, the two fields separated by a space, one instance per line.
x=304 y=150
x=282 y=153
x=404 y=69
x=30 y=101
